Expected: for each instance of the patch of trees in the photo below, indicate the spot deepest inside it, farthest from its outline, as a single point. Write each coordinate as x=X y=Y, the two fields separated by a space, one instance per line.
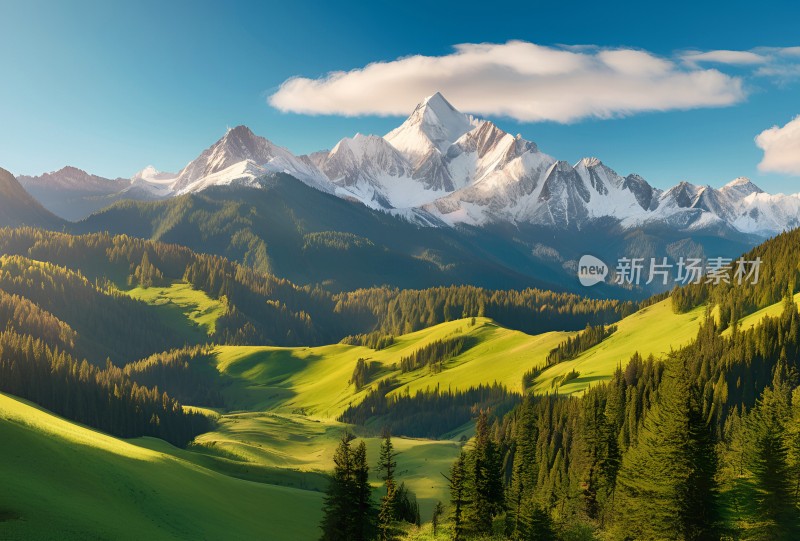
x=428 y=413
x=374 y=340
x=584 y=340
x=702 y=445
x=778 y=272
x=20 y=315
x=349 y=510
x=265 y=309
x=188 y=374
x=531 y=310
x=105 y=399
x=104 y=324
x=363 y=372
x=435 y=353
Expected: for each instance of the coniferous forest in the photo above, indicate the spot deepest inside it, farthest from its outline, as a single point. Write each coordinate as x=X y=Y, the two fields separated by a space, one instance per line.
x=702 y=442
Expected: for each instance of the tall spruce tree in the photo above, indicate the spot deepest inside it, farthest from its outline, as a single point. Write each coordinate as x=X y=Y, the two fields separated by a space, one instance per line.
x=666 y=485
x=365 y=512
x=486 y=478
x=338 y=520
x=459 y=494
x=769 y=459
x=387 y=516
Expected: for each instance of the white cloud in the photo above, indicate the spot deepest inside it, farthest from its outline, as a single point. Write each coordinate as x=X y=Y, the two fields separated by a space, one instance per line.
x=517 y=79
x=781 y=146
x=725 y=57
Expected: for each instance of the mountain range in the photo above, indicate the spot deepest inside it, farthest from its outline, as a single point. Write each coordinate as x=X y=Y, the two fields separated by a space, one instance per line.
x=443 y=167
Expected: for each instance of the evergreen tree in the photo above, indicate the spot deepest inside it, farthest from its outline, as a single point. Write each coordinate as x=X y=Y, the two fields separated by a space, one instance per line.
x=340 y=503
x=438 y=511
x=387 y=516
x=666 y=486
x=769 y=460
x=365 y=513
x=486 y=478
x=459 y=496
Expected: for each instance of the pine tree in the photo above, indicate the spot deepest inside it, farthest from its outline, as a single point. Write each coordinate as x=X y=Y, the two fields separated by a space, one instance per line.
x=769 y=459
x=438 y=511
x=339 y=521
x=387 y=516
x=365 y=514
x=486 y=478
x=666 y=487
x=459 y=496
x=537 y=525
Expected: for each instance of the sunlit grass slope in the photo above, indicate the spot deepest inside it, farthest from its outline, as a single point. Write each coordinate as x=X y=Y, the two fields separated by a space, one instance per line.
x=185 y=303
x=314 y=381
x=63 y=481
x=294 y=443
x=750 y=321
x=653 y=330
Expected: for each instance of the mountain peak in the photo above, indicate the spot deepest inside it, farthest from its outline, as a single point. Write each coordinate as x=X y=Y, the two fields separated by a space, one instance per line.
x=591 y=162
x=433 y=125
x=741 y=186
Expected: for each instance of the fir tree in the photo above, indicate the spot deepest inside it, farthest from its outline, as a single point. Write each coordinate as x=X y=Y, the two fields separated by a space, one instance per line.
x=666 y=483
x=459 y=496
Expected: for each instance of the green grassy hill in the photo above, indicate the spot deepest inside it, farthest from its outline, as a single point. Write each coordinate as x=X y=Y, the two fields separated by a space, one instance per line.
x=314 y=381
x=653 y=330
x=184 y=308
x=64 y=481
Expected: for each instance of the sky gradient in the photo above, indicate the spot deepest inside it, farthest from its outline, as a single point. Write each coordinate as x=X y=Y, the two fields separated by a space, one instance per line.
x=111 y=87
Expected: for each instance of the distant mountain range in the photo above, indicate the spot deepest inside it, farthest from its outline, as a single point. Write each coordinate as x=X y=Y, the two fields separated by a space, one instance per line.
x=443 y=167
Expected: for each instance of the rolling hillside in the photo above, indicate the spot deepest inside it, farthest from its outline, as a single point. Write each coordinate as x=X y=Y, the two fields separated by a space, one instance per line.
x=315 y=380
x=64 y=481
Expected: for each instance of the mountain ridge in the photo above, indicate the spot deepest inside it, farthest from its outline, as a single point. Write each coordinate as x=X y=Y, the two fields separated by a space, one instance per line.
x=441 y=167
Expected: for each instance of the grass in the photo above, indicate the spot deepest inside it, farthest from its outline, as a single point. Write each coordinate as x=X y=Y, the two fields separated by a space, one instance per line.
x=750 y=321
x=654 y=330
x=314 y=381
x=303 y=448
x=65 y=481
x=193 y=307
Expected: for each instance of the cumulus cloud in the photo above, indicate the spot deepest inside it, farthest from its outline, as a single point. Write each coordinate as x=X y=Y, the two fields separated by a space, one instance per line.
x=781 y=146
x=521 y=80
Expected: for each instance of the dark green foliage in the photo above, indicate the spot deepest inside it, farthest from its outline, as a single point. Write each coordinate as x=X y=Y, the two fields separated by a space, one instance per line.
x=373 y=340
x=263 y=309
x=188 y=374
x=428 y=414
x=459 y=495
x=106 y=324
x=20 y=315
x=531 y=310
x=485 y=479
x=666 y=485
x=360 y=373
x=348 y=511
x=388 y=513
x=105 y=399
x=574 y=346
x=438 y=511
x=436 y=352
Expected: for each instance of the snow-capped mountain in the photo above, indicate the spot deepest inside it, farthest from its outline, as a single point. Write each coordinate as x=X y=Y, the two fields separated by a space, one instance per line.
x=243 y=156
x=72 y=179
x=443 y=167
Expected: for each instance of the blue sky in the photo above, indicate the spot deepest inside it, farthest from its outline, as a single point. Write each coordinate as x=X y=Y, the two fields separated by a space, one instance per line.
x=111 y=87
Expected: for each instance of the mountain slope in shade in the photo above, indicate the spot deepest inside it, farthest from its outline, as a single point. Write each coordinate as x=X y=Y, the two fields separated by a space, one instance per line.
x=18 y=207
x=73 y=194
